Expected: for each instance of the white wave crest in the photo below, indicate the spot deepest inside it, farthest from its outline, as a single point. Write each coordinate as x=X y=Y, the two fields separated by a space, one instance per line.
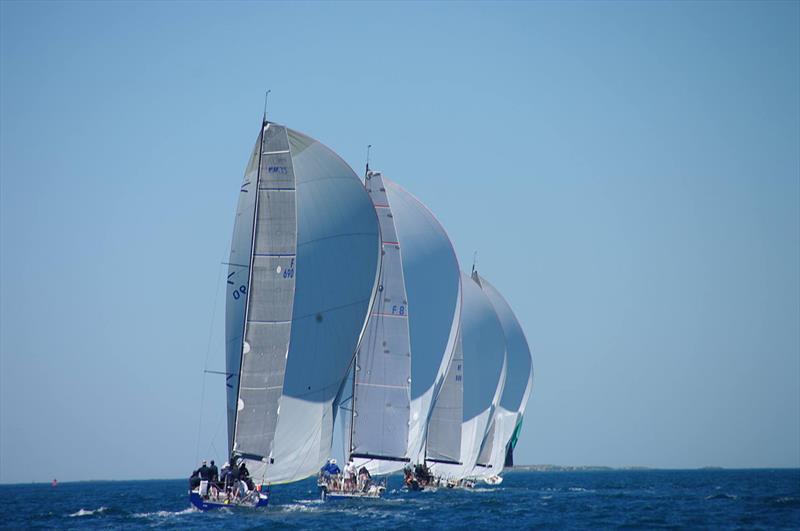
x=86 y=512
x=165 y=514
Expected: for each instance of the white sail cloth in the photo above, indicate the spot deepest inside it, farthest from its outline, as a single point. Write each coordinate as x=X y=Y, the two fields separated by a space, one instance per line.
x=484 y=367
x=378 y=437
x=517 y=388
x=314 y=252
x=433 y=284
x=428 y=277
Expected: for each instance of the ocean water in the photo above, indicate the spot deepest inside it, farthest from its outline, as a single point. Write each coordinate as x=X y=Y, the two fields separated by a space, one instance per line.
x=748 y=499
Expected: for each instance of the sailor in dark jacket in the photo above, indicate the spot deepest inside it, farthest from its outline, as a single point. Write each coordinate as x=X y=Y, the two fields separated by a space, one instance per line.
x=213 y=472
x=194 y=480
x=198 y=475
x=244 y=475
x=203 y=472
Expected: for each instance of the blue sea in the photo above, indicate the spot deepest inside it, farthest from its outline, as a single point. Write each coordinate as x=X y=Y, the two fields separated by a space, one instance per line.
x=648 y=499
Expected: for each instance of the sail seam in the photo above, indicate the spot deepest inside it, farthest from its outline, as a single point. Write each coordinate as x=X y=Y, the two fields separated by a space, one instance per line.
x=342 y=235
x=385 y=386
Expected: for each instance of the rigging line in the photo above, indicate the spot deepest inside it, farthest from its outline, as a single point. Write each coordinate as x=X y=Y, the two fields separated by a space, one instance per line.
x=216 y=432
x=205 y=362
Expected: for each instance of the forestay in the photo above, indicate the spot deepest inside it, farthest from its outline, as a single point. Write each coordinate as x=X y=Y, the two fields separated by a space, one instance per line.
x=313 y=259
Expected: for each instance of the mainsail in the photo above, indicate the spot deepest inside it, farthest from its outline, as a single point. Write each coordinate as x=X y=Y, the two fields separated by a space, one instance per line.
x=516 y=391
x=433 y=285
x=484 y=351
x=411 y=333
x=304 y=266
x=382 y=374
x=443 y=443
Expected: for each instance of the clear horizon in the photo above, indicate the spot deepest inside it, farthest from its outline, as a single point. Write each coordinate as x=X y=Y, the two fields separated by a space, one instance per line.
x=628 y=173
x=513 y=469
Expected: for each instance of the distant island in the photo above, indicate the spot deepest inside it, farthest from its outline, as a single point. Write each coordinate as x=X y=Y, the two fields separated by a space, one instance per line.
x=571 y=468
x=591 y=468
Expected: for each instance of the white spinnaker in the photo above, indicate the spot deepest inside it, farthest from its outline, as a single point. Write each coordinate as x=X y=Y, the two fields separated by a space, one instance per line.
x=517 y=388
x=382 y=374
x=484 y=350
x=433 y=286
x=284 y=423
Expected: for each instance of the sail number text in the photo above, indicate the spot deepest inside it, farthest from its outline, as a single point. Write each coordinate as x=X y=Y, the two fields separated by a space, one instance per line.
x=240 y=292
x=289 y=271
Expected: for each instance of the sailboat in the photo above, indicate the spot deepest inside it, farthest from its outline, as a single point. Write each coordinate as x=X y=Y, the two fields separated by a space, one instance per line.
x=303 y=272
x=498 y=444
x=472 y=389
x=409 y=338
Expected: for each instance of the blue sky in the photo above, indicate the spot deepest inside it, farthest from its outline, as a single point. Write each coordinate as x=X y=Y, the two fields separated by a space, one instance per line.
x=629 y=174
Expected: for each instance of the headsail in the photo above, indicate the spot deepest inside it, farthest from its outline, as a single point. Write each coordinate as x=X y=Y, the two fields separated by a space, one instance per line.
x=484 y=350
x=314 y=259
x=237 y=283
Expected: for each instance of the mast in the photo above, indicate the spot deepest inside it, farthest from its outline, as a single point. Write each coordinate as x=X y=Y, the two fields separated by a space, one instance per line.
x=358 y=350
x=353 y=402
